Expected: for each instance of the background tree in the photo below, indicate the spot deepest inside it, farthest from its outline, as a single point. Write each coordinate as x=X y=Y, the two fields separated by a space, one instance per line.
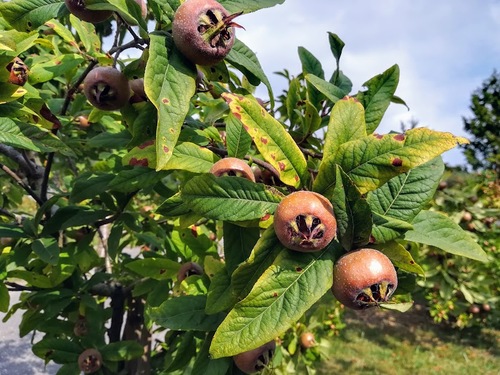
x=484 y=126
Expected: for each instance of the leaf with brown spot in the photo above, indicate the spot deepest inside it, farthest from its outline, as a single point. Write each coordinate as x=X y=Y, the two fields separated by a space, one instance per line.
x=170 y=83
x=369 y=161
x=271 y=139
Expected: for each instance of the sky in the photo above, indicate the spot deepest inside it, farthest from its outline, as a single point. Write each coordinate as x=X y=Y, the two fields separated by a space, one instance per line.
x=445 y=50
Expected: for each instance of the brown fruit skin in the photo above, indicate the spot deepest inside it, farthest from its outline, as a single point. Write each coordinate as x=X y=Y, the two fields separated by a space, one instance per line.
x=18 y=72
x=106 y=88
x=363 y=270
x=78 y=9
x=138 y=93
x=307 y=340
x=188 y=39
x=296 y=209
x=474 y=309
x=90 y=361
x=232 y=167
x=255 y=360
x=188 y=269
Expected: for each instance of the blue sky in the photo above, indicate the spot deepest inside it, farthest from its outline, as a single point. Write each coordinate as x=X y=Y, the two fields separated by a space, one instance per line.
x=445 y=50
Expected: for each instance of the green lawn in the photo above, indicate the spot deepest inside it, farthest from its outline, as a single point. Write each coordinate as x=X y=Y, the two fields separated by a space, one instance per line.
x=382 y=342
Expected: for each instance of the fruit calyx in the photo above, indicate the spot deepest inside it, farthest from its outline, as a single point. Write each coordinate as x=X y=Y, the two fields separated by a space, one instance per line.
x=214 y=27
x=375 y=294
x=306 y=230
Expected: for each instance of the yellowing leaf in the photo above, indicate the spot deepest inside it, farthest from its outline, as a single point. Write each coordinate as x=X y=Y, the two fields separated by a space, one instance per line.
x=270 y=137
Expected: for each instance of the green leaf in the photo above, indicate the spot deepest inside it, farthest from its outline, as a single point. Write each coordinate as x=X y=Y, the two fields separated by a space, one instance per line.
x=238 y=244
x=401 y=307
x=237 y=139
x=336 y=46
x=311 y=65
x=229 y=198
x=135 y=178
x=373 y=160
x=404 y=196
x=271 y=139
x=248 y=6
x=58 y=350
x=47 y=250
x=28 y=15
x=280 y=297
x=122 y=351
x=190 y=157
x=129 y=10
x=31 y=137
x=9 y=92
x=170 y=83
x=387 y=228
x=264 y=253
x=72 y=216
x=378 y=96
x=220 y=296
x=156 y=268
x=401 y=257
x=353 y=214
x=204 y=364
x=87 y=34
x=185 y=313
x=55 y=67
x=4 y=298
x=173 y=206
x=435 y=229
x=87 y=186
x=329 y=90
x=245 y=60
x=12 y=231
x=347 y=123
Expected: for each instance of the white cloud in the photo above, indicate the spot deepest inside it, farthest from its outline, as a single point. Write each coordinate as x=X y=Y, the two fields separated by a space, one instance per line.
x=445 y=49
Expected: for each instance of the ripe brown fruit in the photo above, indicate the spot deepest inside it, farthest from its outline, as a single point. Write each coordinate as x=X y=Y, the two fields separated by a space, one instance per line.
x=189 y=269
x=307 y=340
x=203 y=31
x=232 y=167
x=18 y=72
x=304 y=221
x=466 y=216
x=364 y=278
x=78 y=8
x=90 y=361
x=138 y=93
x=106 y=88
x=474 y=309
x=255 y=360
x=80 y=328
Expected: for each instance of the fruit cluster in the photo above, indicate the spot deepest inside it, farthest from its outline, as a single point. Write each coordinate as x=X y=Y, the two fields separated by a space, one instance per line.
x=304 y=221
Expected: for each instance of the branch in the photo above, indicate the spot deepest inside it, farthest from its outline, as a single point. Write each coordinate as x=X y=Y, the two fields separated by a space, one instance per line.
x=21 y=183
x=30 y=169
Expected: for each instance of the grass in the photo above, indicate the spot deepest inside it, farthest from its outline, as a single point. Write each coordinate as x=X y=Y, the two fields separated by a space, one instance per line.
x=388 y=343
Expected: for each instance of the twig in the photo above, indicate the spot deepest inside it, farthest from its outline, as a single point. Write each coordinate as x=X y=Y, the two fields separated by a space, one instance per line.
x=18 y=287
x=31 y=170
x=21 y=183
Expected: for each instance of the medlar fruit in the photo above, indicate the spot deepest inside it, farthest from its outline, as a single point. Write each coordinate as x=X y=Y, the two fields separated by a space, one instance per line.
x=304 y=221
x=307 y=340
x=256 y=359
x=18 y=72
x=364 y=278
x=232 y=167
x=138 y=93
x=78 y=9
x=80 y=328
x=90 y=361
x=189 y=269
x=203 y=31
x=106 y=88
